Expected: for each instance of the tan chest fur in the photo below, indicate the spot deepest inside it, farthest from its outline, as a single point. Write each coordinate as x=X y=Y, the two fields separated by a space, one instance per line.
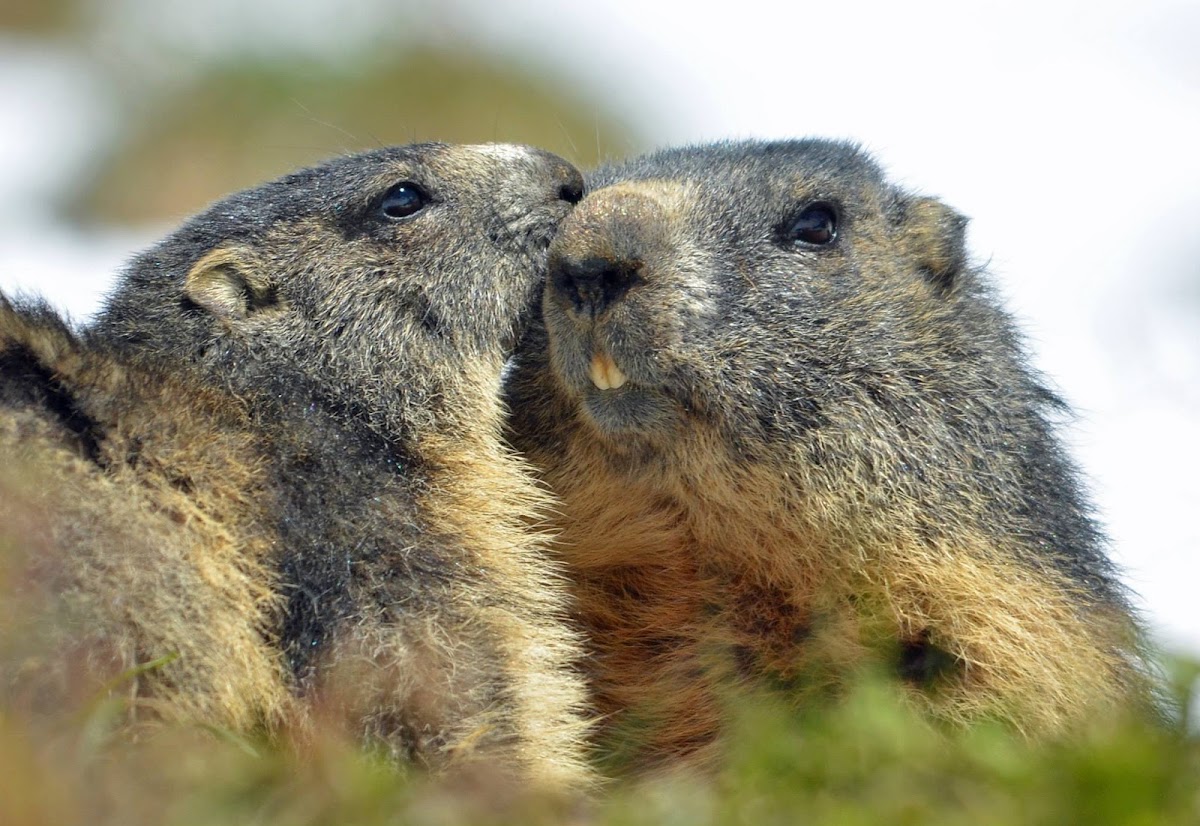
x=722 y=576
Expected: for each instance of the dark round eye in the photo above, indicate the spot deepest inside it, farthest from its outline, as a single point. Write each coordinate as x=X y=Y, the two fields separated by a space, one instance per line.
x=403 y=200
x=816 y=224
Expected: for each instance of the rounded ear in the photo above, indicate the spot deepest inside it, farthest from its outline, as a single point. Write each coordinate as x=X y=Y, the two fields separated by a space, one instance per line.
x=229 y=283
x=935 y=237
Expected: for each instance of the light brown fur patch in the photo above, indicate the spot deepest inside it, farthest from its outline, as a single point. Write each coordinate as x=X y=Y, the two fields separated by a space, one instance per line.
x=140 y=563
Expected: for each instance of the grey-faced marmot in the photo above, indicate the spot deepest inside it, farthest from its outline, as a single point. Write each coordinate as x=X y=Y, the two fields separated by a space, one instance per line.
x=277 y=454
x=794 y=431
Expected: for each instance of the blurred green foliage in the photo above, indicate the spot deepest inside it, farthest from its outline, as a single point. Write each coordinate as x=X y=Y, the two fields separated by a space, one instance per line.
x=40 y=17
x=201 y=112
x=868 y=760
x=246 y=121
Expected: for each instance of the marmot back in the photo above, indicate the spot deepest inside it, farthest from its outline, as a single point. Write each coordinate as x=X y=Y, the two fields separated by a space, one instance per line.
x=277 y=455
x=794 y=432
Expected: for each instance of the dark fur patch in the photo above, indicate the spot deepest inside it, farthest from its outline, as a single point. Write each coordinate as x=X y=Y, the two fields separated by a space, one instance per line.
x=922 y=663
x=27 y=381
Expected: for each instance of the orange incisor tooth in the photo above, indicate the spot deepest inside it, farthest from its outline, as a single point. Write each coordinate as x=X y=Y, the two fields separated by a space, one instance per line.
x=605 y=373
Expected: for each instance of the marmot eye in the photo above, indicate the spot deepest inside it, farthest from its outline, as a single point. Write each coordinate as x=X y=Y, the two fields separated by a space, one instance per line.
x=816 y=224
x=403 y=200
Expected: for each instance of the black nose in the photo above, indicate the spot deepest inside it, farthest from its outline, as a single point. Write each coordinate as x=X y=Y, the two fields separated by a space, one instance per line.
x=572 y=191
x=592 y=285
x=565 y=180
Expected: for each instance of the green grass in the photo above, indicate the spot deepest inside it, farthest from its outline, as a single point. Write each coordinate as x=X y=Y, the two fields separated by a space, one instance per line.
x=867 y=760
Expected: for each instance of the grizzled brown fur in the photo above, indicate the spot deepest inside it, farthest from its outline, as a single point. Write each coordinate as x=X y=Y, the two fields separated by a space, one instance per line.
x=277 y=454
x=794 y=432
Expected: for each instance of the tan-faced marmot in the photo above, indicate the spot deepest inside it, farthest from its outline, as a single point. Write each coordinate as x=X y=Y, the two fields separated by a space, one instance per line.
x=794 y=431
x=277 y=454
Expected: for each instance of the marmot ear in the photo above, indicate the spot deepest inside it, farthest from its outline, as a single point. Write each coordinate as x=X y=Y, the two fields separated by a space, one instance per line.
x=229 y=283
x=935 y=237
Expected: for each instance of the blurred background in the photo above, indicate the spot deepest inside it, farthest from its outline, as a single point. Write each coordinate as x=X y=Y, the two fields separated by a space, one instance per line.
x=1068 y=131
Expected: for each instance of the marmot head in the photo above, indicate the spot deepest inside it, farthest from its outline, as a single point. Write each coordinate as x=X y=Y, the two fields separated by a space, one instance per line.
x=762 y=289
x=388 y=272
x=780 y=305
x=769 y=358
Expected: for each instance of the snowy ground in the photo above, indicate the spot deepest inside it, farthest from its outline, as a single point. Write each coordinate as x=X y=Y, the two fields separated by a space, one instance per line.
x=1067 y=131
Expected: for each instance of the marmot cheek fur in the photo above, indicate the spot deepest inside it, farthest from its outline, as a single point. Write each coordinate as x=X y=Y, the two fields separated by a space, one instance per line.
x=794 y=431
x=277 y=454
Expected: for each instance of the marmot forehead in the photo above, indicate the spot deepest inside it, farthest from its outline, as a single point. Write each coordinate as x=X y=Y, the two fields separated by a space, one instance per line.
x=742 y=162
x=346 y=183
